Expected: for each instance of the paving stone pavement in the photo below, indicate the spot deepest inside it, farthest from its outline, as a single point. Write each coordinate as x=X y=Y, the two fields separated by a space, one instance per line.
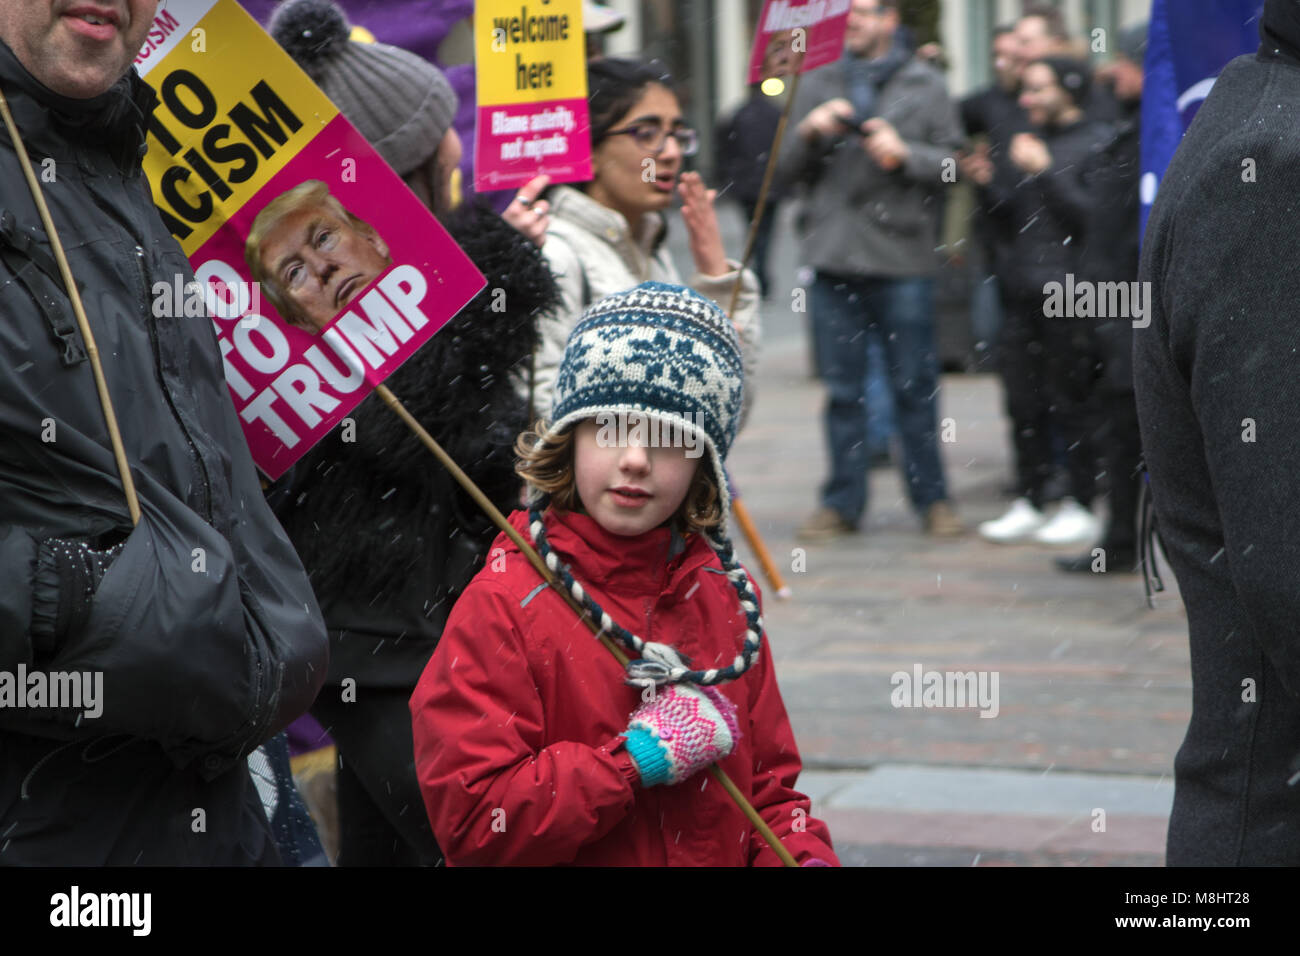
x=1090 y=681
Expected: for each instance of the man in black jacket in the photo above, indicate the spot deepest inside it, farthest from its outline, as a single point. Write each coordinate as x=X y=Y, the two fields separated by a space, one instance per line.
x=744 y=139
x=1110 y=254
x=991 y=117
x=199 y=621
x=1216 y=374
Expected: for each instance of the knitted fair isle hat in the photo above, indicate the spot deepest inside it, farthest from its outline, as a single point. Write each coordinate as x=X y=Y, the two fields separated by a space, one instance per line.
x=662 y=350
x=671 y=354
x=400 y=102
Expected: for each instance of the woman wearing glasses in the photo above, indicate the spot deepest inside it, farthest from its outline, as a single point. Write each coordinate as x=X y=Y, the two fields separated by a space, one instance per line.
x=607 y=235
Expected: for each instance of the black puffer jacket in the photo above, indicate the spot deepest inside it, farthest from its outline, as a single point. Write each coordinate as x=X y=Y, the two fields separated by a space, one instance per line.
x=204 y=626
x=388 y=537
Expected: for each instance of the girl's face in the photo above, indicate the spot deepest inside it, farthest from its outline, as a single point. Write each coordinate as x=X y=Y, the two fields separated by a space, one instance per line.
x=628 y=177
x=629 y=489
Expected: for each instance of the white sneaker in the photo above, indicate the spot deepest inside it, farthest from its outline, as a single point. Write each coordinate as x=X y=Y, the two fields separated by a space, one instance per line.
x=1020 y=522
x=1072 y=524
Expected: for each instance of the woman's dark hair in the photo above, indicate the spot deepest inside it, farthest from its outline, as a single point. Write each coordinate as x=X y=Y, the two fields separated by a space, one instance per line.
x=613 y=87
x=1073 y=76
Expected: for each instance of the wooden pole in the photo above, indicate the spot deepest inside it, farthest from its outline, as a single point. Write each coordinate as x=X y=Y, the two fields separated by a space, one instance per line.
x=535 y=559
x=101 y=384
x=756 y=542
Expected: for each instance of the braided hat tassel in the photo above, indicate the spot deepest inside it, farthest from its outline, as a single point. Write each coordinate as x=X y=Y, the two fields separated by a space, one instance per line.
x=661 y=664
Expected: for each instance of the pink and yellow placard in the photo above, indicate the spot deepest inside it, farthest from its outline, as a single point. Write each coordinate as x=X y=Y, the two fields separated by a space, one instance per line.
x=347 y=273
x=531 y=70
x=795 y=36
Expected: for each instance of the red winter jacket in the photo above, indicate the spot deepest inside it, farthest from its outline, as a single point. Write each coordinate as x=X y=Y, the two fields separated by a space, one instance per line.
x=519 y=716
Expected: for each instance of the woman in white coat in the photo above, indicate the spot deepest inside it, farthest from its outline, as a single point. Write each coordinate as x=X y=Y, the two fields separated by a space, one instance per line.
x=607 y=235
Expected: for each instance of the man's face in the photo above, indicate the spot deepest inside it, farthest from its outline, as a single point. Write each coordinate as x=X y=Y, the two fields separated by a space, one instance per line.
x=869 y=27
x=1006 y=60
x=1035 y=40
x=321 y=262
x=78 y=48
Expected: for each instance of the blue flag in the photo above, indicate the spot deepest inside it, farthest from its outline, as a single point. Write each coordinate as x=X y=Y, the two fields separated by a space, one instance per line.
x=1188 y=44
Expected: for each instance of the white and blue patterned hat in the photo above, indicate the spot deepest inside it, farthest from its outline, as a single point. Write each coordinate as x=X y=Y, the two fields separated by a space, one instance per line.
x=662 y=350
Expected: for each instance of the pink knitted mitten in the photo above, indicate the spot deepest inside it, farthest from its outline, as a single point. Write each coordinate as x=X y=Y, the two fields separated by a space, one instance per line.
x=684 y=729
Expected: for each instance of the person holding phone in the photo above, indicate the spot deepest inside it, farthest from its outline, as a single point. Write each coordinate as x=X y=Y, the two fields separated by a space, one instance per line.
x=869 y=151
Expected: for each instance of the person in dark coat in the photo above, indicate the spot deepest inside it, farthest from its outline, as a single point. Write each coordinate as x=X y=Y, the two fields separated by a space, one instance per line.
x=388 y=537
x=1110 y=254
x=199 y=618
x=991 y=117
x=744 y=144
x=1216 y=376
x=1046 y=364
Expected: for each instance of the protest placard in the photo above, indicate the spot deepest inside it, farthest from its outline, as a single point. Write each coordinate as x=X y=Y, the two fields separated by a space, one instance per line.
x=322 y=272
x=531 y=70
x=795 y=37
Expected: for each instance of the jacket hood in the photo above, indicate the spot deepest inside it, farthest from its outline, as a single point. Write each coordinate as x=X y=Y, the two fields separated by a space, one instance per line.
x=657 y=562
x=1279 y=28
x=116 y=120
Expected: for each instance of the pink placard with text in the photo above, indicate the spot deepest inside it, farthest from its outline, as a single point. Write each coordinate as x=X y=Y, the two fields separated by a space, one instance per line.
x=795 y=36
x=515 y=142
x=365 y=275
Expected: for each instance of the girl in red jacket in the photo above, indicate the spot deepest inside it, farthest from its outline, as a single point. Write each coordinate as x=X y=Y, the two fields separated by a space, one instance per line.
x=524 y=747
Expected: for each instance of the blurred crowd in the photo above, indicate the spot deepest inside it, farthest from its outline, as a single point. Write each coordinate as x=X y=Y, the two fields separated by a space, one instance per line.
x=1051 y=148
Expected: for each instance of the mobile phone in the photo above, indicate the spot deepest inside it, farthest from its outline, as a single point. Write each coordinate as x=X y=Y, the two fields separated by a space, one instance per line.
x=851 y=125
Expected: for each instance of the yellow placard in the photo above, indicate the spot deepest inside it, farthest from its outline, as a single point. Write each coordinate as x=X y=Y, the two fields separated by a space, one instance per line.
x=220 y=134
x=529 y=51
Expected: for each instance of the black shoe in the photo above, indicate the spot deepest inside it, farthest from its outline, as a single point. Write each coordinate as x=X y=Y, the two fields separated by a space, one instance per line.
x=1117 y=561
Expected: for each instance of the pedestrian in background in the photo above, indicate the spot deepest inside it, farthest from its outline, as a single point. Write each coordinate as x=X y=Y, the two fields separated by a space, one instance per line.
x=1046 y=363
x=991 y=117
x=873 y=133
x=1112 y=178
x=744 y=141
